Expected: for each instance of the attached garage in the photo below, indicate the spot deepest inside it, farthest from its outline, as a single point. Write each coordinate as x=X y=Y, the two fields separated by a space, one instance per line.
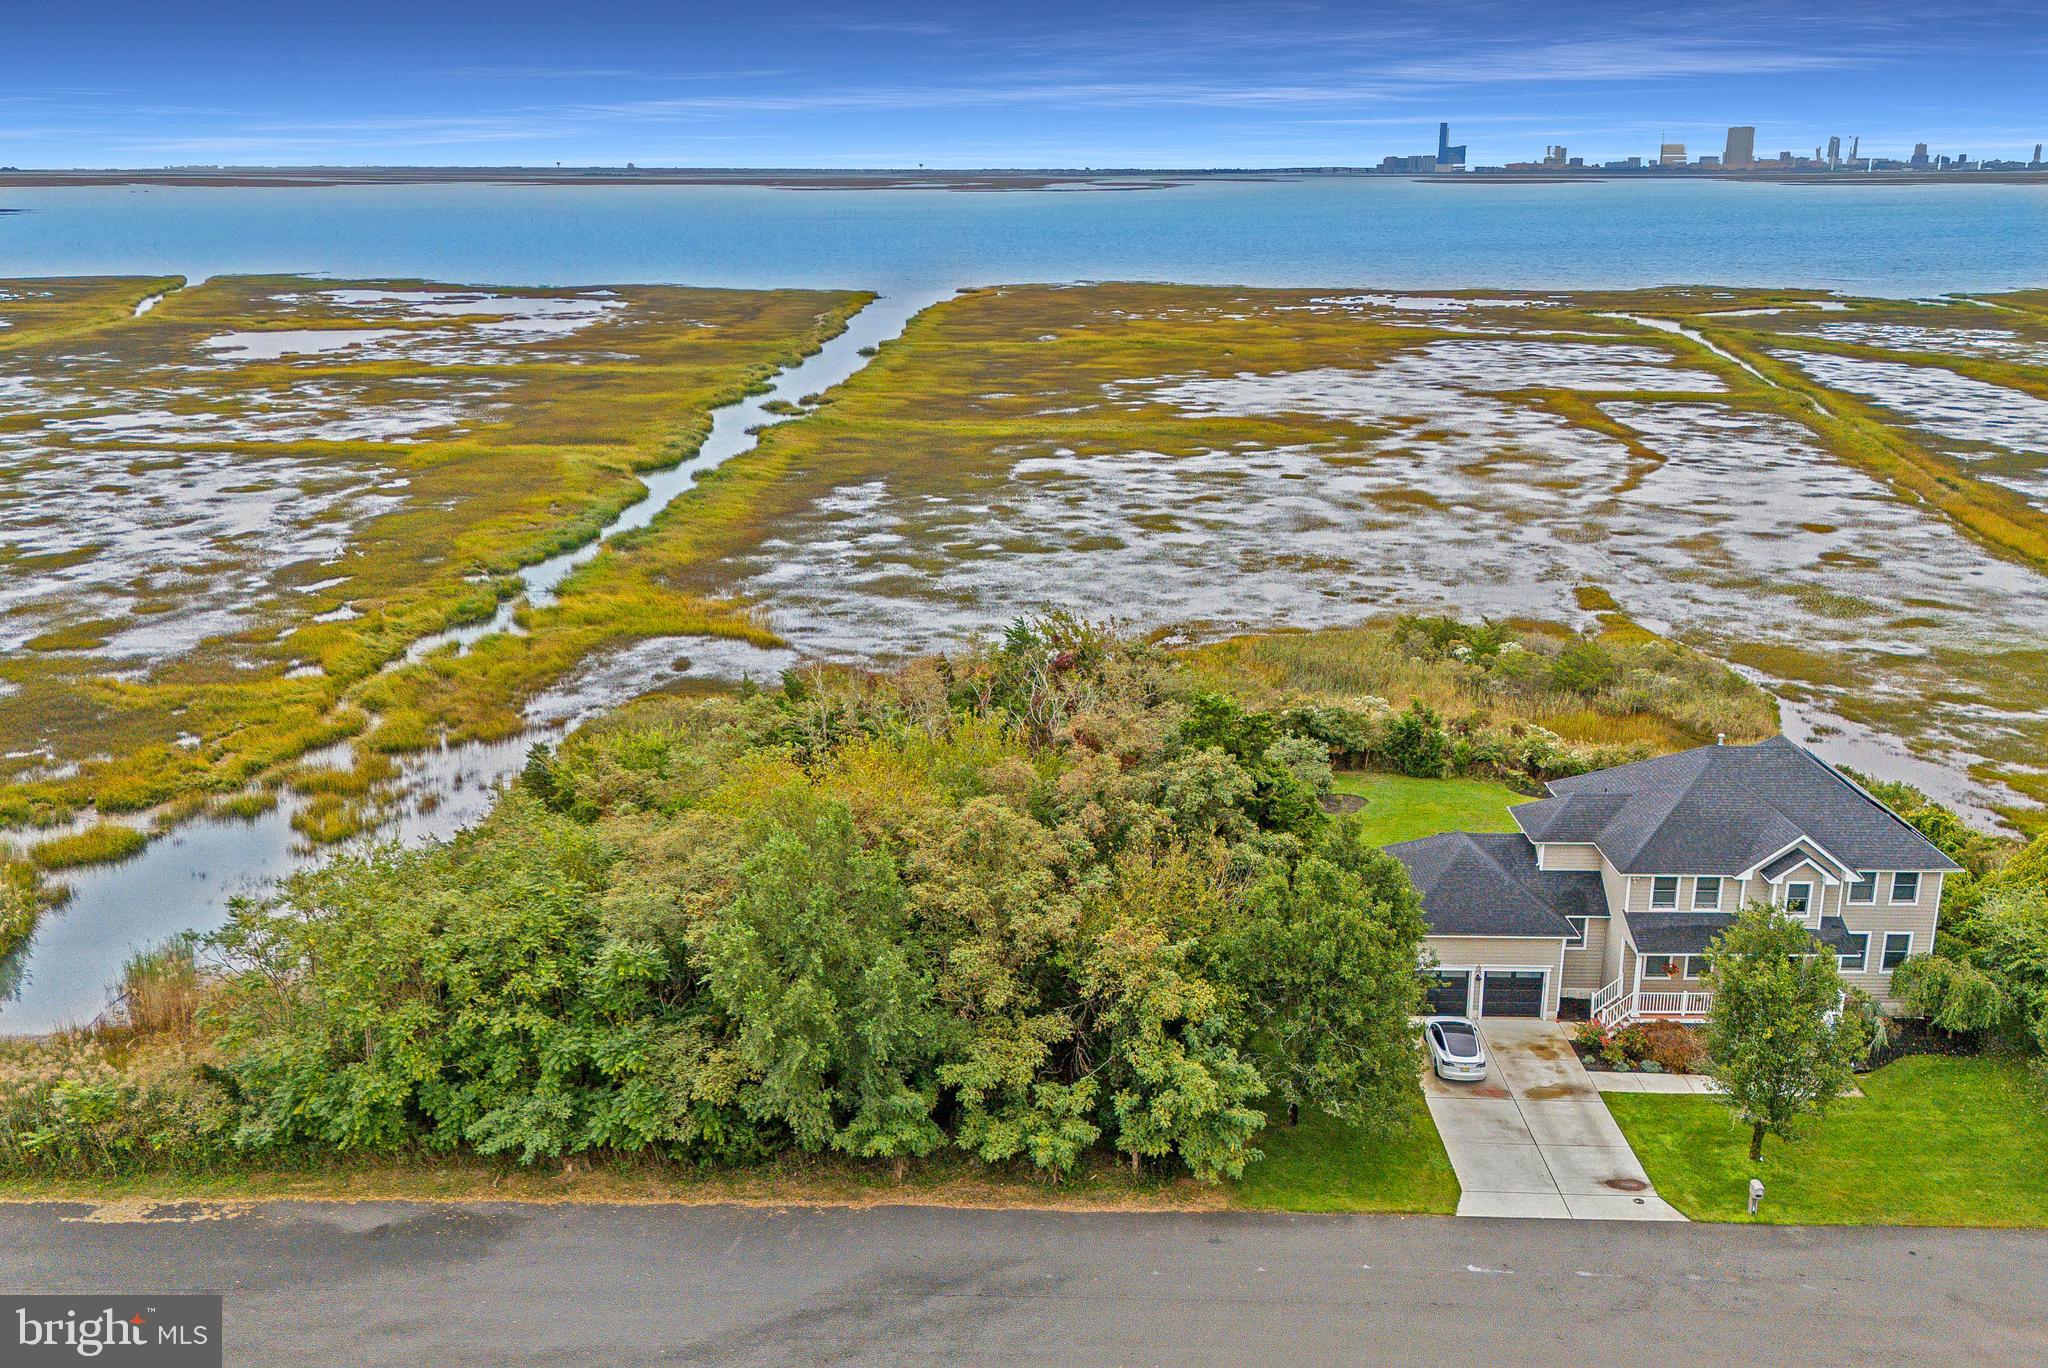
x=1497 y=924
x=1450 y=992
x=1513 y=992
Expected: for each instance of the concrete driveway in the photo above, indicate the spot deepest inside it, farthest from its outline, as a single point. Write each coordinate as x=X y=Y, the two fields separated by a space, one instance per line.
x=1534 y=1139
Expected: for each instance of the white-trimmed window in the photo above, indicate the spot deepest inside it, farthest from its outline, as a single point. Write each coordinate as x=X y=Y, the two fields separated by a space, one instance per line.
x=1656 y=966
x=1854 y=961
x=1906 y=887
x=1897 y=945
x=1577 y=939
x=1799 y=897
x=1706 y=893
x=1664 y=891
x=1864 y=890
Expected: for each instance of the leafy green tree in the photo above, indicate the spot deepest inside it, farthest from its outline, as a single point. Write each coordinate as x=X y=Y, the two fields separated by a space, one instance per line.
x=1325 y=957
x=1162 y=1034
x=1288 y=773
x=813 y=962
x=1950 y=993
x=1178 y=1086
x=465 y=994
x=1778 y=1040
x=2010 y=933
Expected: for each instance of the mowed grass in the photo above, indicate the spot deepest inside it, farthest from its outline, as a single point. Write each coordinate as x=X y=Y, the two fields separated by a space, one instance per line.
x=1398 y=808
x=1324 y=1165
x=1933 y=1141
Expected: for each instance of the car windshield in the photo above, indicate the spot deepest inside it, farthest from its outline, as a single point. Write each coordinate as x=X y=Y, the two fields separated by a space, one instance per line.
x=1459 y=1040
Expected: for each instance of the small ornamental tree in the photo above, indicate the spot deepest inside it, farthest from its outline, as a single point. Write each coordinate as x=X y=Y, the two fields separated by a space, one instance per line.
x=1779 y=1041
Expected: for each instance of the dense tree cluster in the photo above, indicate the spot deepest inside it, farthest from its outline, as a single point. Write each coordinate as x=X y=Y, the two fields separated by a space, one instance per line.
x=1988 y=973
x=1037 y=901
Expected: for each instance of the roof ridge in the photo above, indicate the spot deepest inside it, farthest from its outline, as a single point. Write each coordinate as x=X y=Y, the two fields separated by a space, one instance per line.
x=1678 y=795
x=1861 y=792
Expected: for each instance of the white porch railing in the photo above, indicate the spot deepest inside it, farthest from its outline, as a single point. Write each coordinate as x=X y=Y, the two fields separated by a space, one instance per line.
x=1612 y=1006
x=1686 y=1005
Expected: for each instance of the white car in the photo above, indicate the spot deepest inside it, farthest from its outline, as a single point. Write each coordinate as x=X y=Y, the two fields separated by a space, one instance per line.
x=1455 y=1049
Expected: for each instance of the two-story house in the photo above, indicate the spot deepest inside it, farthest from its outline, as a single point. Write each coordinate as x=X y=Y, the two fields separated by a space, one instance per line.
x=1619 y=880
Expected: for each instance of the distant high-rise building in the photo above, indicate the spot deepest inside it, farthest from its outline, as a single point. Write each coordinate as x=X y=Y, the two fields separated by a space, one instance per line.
x=1446 y=154
x=1671 y=154
x=1834 y=153
x=1855 y=148
x=1554 y=156
x=1741 y=149
x=1919 y=162
x=2035 y=164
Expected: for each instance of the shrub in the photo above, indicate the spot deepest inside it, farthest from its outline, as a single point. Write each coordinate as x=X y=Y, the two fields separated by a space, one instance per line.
x=1416 y=743
x=1674 y=1047
x=1632 y=1043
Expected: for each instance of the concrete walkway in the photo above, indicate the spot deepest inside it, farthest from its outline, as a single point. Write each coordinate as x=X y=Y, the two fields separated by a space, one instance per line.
x=1694 y=1084
x=1534 y=1139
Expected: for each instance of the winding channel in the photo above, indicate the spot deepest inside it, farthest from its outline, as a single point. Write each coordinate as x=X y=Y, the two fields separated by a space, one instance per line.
x=183 y=881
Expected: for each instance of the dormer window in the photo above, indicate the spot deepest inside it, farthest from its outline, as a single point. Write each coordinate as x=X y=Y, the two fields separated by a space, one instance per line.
x=1664 y=891
x=1799 y=898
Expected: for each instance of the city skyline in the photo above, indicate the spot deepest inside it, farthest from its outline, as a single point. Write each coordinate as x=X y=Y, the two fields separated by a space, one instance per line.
x=896 y=85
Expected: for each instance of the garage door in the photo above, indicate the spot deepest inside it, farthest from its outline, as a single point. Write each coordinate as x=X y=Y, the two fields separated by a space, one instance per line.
x=1448 y=992
x=1513 y=994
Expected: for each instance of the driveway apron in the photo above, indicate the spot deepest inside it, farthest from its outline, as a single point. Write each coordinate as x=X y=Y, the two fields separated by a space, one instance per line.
x=1535 y=1138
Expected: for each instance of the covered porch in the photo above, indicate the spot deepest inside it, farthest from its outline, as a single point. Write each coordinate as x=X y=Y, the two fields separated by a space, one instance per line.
x=1664 y=966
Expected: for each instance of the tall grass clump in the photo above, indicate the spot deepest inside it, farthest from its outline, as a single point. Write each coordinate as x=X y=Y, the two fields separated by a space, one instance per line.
x=102 y=843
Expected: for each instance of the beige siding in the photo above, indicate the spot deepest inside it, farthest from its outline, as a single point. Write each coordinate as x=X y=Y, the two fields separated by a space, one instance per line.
x=1563 y=856
x=1803 y=873
x=1918 y=917
x=1504 y=952
x=1586 y=970
x=1617 y=922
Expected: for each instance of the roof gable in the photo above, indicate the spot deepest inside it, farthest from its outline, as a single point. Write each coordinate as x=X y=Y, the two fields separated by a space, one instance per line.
x=1489 y=885
x=1727 y=809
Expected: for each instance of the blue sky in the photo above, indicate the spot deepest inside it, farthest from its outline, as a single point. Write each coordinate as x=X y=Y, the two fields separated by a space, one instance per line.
x=888 y=83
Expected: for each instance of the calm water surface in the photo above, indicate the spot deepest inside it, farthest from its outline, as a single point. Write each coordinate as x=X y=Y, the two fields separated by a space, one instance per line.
x=1879 y=239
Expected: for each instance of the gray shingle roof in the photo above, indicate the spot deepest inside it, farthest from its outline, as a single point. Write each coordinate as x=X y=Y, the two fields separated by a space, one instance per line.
x=1489 y=885
x=1677 y=933
x=1721 y=810
x=1690 y=933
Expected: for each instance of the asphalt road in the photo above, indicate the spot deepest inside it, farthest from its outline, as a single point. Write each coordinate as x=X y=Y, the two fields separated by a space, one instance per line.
x=392 y=1283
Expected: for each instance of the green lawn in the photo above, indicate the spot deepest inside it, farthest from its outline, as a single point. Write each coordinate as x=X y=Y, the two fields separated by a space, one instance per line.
x=1324 y=1165
x=1398 y=808
x=1933 y=1141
